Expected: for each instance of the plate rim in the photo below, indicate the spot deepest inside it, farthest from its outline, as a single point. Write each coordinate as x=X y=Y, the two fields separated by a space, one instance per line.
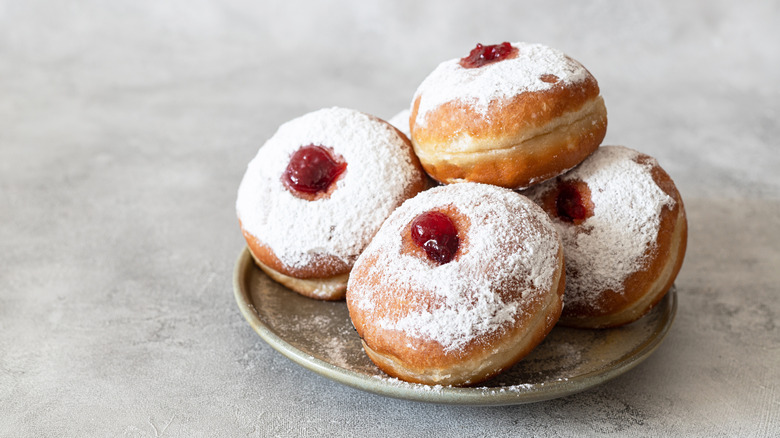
x=473 y=396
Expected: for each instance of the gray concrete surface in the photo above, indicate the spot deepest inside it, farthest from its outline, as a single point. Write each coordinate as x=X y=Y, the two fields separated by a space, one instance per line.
x=125 y=127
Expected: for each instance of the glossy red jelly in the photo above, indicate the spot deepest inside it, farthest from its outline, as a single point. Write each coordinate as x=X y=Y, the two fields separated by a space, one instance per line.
x=571 y=204
x=436 y=234
x=482 y=55
x=312 y=169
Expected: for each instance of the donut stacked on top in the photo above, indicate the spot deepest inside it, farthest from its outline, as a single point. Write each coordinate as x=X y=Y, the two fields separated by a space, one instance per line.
x=510 y=115
x=453 y=284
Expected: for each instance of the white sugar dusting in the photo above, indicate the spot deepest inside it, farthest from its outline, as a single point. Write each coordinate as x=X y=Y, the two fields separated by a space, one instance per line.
x=479 y=87
x=603 y=250
x=506 y=267
x=379 y=171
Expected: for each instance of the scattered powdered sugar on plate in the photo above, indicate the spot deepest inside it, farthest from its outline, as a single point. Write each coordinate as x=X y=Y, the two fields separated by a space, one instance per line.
x=379 y=171
x=610 y=245
x=485 y=390
x=508 y=264
x=408 y=385
x=493 y=82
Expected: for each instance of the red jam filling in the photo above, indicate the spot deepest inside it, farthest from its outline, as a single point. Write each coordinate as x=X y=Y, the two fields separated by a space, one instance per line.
x=572 y=205
x=312 y=169
x=436 y=234
x=482 y=55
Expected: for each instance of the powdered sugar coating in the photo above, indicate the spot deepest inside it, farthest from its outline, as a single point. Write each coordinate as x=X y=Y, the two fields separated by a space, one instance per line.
x=490 y=84
x=607 y=247
x=506 y=268
x=379 y=173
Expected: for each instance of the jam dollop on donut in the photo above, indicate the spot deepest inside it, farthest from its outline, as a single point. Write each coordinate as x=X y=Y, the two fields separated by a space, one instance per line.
x=435 y=233
x=312 y=169
x=482 y=55
x=573 y=204
x=317 y=192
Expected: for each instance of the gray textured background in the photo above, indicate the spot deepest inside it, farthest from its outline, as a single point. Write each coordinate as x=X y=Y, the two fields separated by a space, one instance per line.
x=125 y=127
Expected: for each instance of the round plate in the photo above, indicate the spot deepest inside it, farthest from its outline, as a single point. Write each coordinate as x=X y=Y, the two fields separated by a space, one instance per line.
x=318 y=335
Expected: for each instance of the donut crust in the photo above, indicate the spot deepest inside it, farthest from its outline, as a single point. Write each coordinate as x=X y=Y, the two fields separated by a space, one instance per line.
x=425 y=360
x=481 y=359
x=326 y=279
x=520 y=141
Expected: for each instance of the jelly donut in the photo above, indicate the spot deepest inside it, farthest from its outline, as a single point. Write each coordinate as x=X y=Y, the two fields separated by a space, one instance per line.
x=317 y=192
x=461 y=282
x=624 y=234
x=510 y=114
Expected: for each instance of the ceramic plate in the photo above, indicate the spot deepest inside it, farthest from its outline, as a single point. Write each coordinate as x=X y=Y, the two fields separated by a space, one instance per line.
x=318 y=335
